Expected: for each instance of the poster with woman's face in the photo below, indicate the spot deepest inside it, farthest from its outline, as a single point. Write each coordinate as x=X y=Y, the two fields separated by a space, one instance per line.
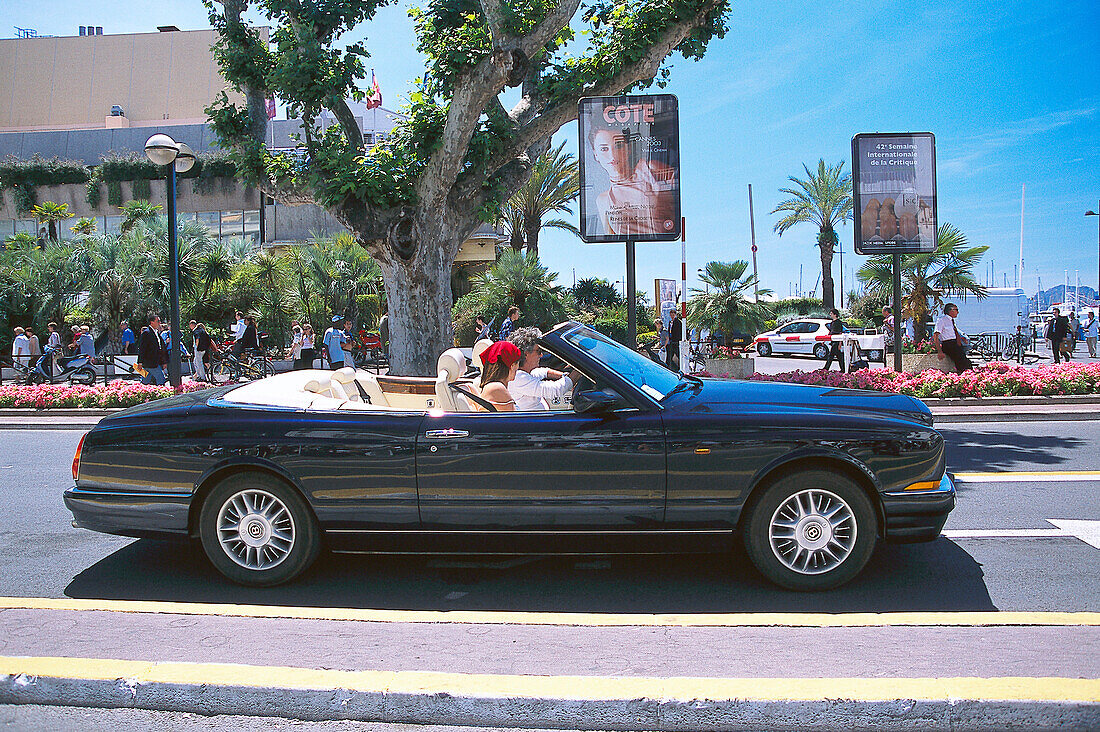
x=630 y=168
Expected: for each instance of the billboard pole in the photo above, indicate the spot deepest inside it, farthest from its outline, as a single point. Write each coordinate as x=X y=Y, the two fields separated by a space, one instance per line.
x=897 y=313
x=631 y=297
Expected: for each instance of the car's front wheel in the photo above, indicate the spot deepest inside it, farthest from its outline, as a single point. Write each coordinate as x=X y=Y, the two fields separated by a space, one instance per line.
x=258 y=531
x=821 y=351
x=811 y=530
x=764 y=349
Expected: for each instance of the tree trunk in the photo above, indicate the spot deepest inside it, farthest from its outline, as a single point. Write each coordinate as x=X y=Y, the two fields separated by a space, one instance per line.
x=516 y=239
x=531 y=231
x=419 y=295
x=825 y=243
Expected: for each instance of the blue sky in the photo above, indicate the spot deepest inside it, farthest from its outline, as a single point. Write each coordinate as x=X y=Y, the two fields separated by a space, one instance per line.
x=1010 y=89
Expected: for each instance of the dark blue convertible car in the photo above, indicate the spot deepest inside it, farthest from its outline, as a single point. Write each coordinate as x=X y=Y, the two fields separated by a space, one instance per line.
x=265 y=474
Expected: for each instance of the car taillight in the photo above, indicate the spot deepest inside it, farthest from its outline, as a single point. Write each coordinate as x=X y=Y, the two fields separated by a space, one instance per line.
x=76 y=458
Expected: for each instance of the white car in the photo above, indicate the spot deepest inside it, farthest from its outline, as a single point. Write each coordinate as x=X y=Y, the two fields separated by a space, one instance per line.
x=810 y=336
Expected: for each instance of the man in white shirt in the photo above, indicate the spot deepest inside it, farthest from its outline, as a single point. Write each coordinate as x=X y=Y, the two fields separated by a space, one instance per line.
x=1090 y=328
x=238 y=329
x=947 y=340
x=533 y=386
x=21 y=348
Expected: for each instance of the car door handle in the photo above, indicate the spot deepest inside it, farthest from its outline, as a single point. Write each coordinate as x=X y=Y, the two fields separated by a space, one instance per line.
x=447 y=434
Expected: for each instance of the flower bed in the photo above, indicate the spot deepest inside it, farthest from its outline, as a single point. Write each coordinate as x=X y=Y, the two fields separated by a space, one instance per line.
x=63 y=396
x=995 y=379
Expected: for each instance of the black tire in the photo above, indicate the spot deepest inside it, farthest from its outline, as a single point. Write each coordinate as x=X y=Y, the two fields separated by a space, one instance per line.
x=284 y=559
x=85 y=376
x=764 y=349
x=821 y=351
x=851 y=540
x=223 y=372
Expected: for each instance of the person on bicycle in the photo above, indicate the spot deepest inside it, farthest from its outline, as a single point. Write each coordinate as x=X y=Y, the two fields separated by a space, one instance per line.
x=250 y=338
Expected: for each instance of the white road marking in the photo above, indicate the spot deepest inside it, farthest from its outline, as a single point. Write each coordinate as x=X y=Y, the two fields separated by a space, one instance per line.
x=1086 y=531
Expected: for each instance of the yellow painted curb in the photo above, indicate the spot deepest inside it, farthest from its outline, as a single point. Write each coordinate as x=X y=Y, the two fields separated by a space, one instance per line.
x=573 y=688
x=473 y=617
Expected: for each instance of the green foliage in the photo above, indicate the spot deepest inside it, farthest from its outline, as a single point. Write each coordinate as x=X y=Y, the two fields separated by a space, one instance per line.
x=135 y=211
x=554 y=185
x=114 y=193
x=141 y=190
x=926 y=278
x=84 y=226
x=726 y=307
x=593 y=293
x=50 y=213
x=517 y=280
x=22 y=177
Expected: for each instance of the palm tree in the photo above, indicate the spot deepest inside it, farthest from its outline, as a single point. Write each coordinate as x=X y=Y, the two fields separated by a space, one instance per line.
x=339 y=276
x=592 y=293
x=725 y=305
x=825 y=199
x=516 y=275
x=115 y=278
x=136 y=211
x=50 y=213
x=83 y=226
x=927 y=277
x=554 y=184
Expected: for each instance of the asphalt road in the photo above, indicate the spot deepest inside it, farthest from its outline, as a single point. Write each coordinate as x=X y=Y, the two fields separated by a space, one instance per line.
x=43 y=556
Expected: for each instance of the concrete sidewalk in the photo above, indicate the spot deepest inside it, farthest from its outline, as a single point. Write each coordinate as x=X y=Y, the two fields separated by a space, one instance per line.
x=760 y=671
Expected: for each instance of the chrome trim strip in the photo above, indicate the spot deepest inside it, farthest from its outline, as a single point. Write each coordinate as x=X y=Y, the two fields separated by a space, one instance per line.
x=502 y=532
x=446 y=434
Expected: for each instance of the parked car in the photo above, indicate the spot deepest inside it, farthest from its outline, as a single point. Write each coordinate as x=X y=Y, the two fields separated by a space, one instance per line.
x=264 y=474
x=810 y=336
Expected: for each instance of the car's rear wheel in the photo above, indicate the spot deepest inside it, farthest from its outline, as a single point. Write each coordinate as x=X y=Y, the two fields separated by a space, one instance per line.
x=764 y=349
x=258 y=531
x=811 y=530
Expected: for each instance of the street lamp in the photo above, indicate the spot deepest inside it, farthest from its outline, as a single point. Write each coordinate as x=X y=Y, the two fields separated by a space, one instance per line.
x=176 y=157
x=1094 y=213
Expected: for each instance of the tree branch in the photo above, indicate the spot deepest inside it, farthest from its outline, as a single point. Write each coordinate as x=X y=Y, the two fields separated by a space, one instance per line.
x=548 y=27
x=494 y=17
x=340 y=109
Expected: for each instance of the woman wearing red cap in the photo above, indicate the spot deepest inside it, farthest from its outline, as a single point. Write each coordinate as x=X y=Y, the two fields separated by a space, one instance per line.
x=500 y=362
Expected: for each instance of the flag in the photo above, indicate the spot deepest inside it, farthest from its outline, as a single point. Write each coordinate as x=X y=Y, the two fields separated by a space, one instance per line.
x=270 y=107
x=374 y=99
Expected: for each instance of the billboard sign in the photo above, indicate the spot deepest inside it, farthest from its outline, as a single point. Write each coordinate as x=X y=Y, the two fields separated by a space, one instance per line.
x=894 y=186
x=630 y=168
x=666 y=297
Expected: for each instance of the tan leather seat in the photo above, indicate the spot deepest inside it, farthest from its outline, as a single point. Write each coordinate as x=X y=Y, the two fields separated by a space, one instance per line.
x=450 y=367
x=479 y=348
x=342 y=385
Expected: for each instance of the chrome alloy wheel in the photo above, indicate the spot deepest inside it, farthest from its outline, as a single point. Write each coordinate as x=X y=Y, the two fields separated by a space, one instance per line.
x=255 y=529
x=812 y=532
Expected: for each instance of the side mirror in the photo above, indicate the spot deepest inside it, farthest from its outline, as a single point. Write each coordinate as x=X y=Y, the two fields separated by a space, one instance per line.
x=594 y=402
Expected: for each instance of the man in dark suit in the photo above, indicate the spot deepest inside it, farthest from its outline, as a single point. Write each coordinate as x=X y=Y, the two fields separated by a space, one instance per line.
x=675 y=335
x=1059 y=331
x=152 y=353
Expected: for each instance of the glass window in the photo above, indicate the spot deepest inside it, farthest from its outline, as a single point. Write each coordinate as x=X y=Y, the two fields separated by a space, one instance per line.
x=212 y=221
x=252 y=223
x=646 y=375
x=232 y=223
x=7 y=228
x=27 y=226
x=788 y=329
x=113 y=224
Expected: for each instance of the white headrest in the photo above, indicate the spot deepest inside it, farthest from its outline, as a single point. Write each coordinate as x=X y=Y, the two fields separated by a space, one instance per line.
x=345 y=375
x=453 y=363
x=315 y=386
x=479 y=348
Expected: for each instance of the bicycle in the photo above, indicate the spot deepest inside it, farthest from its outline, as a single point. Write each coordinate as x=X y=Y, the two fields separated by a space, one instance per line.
x=1016 y=349
x=983 y=346
x=249 y=365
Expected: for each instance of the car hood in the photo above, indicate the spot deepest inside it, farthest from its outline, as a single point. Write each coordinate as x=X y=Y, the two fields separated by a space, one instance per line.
x=738 y=394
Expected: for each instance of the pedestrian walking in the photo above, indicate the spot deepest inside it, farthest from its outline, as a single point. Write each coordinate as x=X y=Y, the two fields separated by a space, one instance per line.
x=1089 y=329
x=35 y=346
x=662 y=339
x=949 y=341
x=152 y=354
x=888 y=328
x=1057 y=330
x=482 y=329
x=21 y=348
x=53 y=343
x=675 y=335
x=128 y=340
x=334 y=341
x=199 y=349
x=836 y=327
x=1074 y=330
x=308 y=351
x=509 y=323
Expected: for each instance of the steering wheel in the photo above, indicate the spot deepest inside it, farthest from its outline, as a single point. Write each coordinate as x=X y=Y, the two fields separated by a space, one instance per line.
x=582 y=383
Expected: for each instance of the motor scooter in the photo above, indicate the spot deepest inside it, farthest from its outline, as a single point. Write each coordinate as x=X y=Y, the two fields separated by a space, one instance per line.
x=76 y=369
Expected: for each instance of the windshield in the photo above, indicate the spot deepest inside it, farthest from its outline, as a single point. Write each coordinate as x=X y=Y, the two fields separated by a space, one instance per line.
x=652 y=378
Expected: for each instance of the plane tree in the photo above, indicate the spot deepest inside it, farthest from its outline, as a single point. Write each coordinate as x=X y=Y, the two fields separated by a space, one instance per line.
x=412 y=200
